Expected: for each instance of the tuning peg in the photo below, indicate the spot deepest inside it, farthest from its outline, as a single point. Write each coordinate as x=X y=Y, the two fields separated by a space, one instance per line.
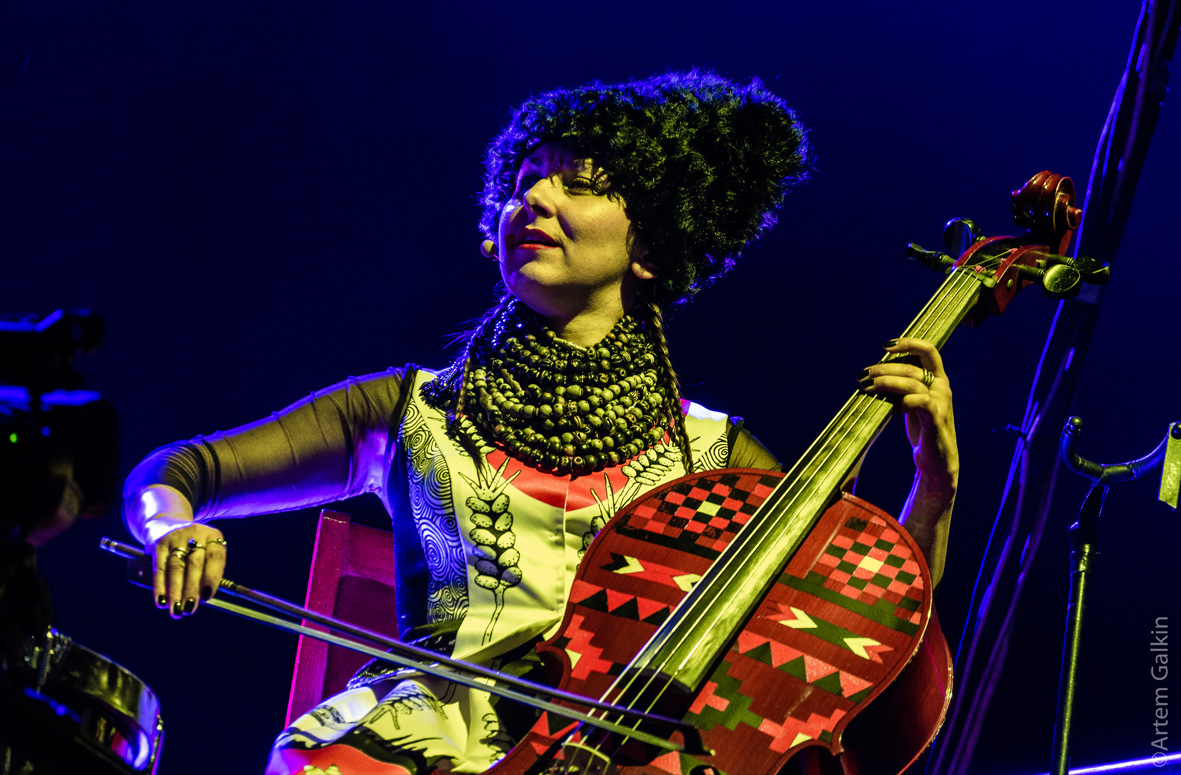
x=1084 y=264
x=1061 y=282
x=932 y=259
x=959 y=234
x=1090 y=270
x=1058 y=281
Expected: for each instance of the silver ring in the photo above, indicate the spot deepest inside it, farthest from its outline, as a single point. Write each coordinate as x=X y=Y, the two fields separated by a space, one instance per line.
x=221 y=541
x=928 y=378
x=194 y=546
x=179 y=553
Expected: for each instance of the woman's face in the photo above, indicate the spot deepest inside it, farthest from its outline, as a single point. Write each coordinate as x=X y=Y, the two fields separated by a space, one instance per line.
x=565 y=242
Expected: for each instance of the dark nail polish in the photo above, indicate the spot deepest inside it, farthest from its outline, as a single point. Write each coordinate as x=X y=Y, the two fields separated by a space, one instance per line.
x=206 y=593
x=890 y=343
x=190 y=604
x=862 y=375
x=176 y=608
x=863 y=384
x=161 y=602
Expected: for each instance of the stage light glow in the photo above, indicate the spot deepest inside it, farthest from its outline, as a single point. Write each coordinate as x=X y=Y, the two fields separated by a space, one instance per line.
x=1164 y=763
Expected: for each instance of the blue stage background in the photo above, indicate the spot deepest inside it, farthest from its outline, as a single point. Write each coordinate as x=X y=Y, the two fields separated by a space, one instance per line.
x=263 y=198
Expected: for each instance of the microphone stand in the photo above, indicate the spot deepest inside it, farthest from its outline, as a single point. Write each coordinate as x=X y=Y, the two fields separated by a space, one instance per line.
x=1084 y=535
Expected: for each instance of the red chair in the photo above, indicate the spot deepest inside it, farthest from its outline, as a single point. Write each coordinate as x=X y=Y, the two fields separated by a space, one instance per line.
x=352 y=578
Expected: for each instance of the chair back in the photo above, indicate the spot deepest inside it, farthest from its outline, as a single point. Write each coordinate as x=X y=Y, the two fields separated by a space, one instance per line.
x=352 y=578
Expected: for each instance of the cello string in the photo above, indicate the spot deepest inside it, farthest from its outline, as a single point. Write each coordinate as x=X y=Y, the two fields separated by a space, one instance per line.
x=860 y=404
x=849 y=416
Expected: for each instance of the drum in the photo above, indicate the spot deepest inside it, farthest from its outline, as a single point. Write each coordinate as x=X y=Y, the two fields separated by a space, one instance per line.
x=70 y=706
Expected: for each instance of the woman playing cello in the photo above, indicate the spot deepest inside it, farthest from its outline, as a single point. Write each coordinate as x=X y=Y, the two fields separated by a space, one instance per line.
x=603 y=206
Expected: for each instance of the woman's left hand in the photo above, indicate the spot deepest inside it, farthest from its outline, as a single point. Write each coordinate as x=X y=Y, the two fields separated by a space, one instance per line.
x=930 y=425
x=926 y=399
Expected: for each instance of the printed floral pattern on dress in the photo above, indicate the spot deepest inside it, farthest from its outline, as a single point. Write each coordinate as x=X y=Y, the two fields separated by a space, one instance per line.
x=406 y=734
x=406 y=699
x=495 y=738
x=434 y=519
x=493 y=539
x=716 y=456
x=647 y=470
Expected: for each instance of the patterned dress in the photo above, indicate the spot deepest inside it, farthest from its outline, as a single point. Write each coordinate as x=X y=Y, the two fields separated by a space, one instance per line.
x=486 y=552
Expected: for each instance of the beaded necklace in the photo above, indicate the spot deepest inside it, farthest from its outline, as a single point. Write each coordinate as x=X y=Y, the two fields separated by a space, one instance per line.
x=552 y=404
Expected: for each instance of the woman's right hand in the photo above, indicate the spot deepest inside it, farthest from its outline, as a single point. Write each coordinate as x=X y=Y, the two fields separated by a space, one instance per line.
x=187 y=565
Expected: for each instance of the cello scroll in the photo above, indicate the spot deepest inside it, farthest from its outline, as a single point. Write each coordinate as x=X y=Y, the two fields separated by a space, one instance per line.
x=1045 y=207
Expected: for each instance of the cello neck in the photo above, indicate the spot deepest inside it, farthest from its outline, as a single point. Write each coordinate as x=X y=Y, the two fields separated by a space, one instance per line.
x=708 y=618
x=823 y=468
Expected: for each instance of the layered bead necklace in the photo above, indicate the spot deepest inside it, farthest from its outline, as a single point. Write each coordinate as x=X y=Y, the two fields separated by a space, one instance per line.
x=555 y=405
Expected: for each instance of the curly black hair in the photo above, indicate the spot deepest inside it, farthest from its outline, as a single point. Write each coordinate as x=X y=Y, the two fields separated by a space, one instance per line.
x=702 y=163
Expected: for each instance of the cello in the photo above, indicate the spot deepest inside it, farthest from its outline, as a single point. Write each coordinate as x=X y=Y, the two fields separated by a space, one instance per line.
x=765 y=612
x=772 y=612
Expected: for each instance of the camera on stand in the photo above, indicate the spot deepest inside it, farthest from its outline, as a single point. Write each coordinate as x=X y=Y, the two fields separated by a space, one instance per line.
x=63 y=708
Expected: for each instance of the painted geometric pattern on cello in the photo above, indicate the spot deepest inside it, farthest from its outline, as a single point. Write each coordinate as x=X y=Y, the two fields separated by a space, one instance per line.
x=868 y=562
x=862 y=596
x=827 y=633
x=621 y=604
x=721 y=703
x=699 y=516
x=725 y=706
x=587 y=659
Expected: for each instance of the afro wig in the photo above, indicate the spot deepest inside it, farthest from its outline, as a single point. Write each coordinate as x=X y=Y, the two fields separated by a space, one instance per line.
x=702 y=163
